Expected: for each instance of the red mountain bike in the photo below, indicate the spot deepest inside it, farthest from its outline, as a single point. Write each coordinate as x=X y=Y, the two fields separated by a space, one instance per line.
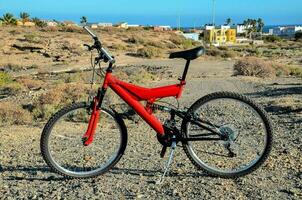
x=224 y=133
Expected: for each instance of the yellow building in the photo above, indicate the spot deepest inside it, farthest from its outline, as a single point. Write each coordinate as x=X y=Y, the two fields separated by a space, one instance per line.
x=20 y=23
x=220 y=36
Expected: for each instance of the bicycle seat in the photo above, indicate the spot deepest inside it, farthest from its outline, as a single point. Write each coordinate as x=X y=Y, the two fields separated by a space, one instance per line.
x=188 y=54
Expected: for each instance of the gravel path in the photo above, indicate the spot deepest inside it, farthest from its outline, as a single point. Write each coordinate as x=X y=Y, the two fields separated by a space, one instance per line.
x=24 y=175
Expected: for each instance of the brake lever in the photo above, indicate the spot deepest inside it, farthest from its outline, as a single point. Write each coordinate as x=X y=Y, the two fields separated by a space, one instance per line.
x=88 y=47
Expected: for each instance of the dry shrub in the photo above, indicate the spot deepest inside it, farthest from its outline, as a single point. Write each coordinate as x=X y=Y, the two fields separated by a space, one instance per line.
x=31 y=83
x=229 y=54
x=149 y=52
x=71 y=29
x=72 y=48
x=10 y=113
x=118 y=47
x=295 y=71
x=214 y=52
x=50 y=29
x=8 y=85
x=182 y=42
x=135 y=39
x=57 y=98
x=254 y=67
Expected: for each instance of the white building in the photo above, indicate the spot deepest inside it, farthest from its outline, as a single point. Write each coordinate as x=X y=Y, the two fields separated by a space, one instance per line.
x=102 y=24
x=192 y=36
x=133 y=25
x=50 y=23
x=285 y=30
x=209 y=27
x=241 y=28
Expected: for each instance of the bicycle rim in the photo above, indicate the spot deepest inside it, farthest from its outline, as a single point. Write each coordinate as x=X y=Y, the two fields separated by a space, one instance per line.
x=247 y=133
x=67 y=153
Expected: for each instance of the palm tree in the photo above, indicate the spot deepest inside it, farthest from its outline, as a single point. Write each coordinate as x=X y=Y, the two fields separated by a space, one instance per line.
x=39 y=22
x=8 y=19
x=228 y=21
x=83 y=20
x=260 y=25
x=24 y=16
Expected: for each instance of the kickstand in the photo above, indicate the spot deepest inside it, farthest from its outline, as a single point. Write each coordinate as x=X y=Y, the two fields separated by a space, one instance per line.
x=168 y=163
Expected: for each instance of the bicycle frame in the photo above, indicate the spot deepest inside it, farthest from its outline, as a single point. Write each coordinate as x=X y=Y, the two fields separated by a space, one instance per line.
x=132 y=95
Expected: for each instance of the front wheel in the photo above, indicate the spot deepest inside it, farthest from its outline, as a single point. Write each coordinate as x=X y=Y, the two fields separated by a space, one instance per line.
x=62 y=146
x=244 y=136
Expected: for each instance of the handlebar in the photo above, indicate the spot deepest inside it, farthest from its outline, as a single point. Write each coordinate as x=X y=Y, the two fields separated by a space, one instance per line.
x=97 y=45
x=90 y=32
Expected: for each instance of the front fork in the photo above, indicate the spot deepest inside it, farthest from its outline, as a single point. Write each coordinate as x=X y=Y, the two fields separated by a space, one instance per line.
x=95 y=115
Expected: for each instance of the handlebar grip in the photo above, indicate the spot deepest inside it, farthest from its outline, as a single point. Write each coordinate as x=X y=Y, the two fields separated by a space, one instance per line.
x=90 y=32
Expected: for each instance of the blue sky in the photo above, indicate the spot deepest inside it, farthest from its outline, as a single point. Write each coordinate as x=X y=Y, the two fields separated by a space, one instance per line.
x=159 y=12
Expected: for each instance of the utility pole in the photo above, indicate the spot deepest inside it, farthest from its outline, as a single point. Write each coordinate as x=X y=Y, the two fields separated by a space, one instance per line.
x=214 y=5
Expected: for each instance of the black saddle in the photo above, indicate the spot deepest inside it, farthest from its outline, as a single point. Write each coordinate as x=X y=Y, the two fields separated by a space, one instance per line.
x=188 y=54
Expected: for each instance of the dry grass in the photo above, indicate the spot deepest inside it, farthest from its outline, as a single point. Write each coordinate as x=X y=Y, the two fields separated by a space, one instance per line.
x=149 y=52
x=58 y=97
x=10 y=113
x=31 y=83
x=254 y=67
x=288 y=103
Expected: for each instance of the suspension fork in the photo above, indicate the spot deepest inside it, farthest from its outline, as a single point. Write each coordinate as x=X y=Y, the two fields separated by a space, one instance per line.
x=94 y=118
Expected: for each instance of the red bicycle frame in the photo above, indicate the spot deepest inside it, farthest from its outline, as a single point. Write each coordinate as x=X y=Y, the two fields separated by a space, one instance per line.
x=132 y=95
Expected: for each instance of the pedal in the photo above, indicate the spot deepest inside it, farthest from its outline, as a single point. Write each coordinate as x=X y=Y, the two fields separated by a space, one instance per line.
x=163 y=151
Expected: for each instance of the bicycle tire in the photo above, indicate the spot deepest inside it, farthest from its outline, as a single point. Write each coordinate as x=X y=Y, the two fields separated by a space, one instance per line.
x=52 y=163
x=262 y=113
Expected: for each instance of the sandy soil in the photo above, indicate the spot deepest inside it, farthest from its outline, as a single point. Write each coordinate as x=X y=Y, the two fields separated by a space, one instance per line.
x=23 y=173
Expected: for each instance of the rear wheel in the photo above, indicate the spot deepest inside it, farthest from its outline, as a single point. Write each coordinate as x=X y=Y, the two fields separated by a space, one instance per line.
x=245 y=135
x=63 y=150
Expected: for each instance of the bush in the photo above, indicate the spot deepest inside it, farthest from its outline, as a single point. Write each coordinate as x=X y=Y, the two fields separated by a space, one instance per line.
x=182 y=42
x=31 y=83
x=254 y=67
x=272 y=38
x=149 y=52
x=295 y=71
x=10 y=113
x=57 y=98
x=298 y=35
x=136 y=40
x=213 y=52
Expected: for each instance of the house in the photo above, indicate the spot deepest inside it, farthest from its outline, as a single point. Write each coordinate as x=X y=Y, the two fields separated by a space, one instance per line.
x=29 y=24
x=69 y=23
x=220 y=35
x=162 y=28
x=122 y=25
x=50 y=23
x=192 y=36
x=133 y=25
x=241 y=28
x=285 y=30
x=92 y=25
x=102 y=24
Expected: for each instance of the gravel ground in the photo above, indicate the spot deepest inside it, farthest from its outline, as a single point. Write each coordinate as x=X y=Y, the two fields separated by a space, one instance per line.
x=24 y=175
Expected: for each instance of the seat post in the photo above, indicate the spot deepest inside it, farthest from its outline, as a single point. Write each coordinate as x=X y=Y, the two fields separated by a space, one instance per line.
x=186 y=70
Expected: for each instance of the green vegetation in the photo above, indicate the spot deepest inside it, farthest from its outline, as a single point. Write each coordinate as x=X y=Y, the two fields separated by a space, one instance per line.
x=295 y=71
x=39 y=22
x=253 y=26
x=8 y=19
x=24 y=16
x=272 y=38
x=298 y=35
x=8 y=85
x=84 y=20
